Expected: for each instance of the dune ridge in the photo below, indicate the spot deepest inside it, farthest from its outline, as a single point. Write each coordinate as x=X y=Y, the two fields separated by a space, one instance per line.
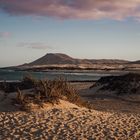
x=70 y=123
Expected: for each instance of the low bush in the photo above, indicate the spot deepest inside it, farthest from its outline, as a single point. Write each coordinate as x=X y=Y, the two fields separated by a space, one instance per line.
x=51 y=91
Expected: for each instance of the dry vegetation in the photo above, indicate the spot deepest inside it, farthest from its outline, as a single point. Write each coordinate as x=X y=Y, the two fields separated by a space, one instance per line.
x=47 y=91
x=61 y=122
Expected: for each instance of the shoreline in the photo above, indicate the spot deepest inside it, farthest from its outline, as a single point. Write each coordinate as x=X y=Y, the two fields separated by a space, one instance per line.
x=85 y=74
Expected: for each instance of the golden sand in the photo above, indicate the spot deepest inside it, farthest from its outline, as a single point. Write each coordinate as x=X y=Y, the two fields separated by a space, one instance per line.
x=67 y=121
x=72 y=123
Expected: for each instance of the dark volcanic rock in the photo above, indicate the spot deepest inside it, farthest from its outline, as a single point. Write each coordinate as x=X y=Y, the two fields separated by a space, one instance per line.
x=124 y=84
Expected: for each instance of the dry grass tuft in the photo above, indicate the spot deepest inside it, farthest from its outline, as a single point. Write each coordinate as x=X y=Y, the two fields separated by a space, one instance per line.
x=47 y=91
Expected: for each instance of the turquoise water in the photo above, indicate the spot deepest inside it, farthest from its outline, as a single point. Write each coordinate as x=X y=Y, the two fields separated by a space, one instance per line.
x=11 y=75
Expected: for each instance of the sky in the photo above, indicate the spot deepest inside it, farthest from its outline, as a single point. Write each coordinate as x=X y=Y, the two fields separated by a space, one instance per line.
x=94 y=29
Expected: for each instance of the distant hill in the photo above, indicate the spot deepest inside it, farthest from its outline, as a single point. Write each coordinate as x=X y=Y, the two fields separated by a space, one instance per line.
x=54 y=59
x=63 y=61
x=58 y=59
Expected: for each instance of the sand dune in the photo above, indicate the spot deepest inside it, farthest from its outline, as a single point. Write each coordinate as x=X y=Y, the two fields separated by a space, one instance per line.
x=67 y=121
x=72 y=123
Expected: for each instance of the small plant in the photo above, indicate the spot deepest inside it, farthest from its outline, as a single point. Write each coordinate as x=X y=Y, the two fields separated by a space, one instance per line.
x=20 y=96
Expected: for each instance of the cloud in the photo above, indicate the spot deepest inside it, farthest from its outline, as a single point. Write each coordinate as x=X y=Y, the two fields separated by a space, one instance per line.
x=5 y=34
x=34 y=45
x=74 y=9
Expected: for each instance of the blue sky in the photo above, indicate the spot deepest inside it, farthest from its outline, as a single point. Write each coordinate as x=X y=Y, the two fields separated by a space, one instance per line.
x=24 y=38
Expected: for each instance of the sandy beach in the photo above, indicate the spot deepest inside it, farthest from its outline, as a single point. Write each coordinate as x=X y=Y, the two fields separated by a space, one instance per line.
x=74 y=123
x=110 y=119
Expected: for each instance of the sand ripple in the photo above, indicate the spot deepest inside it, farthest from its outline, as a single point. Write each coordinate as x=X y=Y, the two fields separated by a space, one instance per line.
x=69 y=124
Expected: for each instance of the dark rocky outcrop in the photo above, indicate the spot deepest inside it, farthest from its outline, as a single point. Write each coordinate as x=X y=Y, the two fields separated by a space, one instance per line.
x=124 y=84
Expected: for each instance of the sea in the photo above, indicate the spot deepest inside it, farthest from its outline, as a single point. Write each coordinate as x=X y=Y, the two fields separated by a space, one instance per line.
x=11 y=75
